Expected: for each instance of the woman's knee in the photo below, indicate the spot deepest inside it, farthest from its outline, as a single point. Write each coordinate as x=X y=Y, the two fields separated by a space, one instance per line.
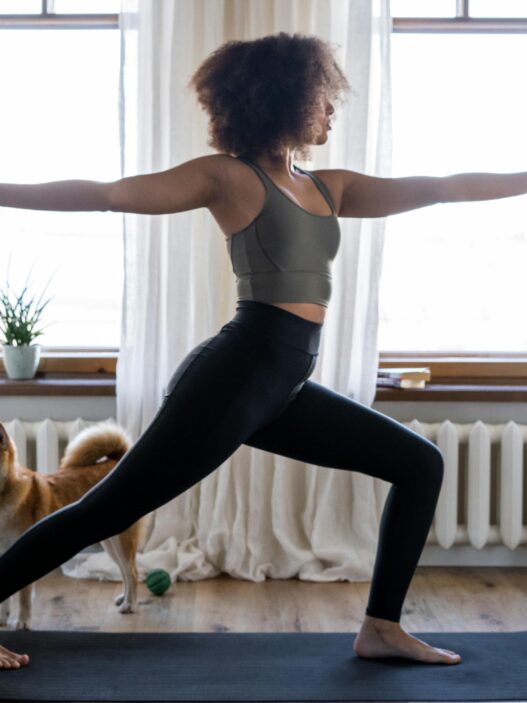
x=428 y=464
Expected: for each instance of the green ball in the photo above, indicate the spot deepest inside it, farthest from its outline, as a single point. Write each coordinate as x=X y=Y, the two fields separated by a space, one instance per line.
x=158 y=581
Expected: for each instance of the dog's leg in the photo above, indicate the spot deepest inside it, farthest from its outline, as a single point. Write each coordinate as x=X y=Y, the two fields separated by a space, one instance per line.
x=124 y=557
x=25 y=596
x=4 y=611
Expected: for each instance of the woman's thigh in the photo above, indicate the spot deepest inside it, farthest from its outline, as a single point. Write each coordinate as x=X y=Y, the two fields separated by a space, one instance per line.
x=326 y=428
x=221 y=392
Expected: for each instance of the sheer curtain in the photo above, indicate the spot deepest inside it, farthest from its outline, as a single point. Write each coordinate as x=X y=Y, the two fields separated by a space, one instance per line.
x=258 y=515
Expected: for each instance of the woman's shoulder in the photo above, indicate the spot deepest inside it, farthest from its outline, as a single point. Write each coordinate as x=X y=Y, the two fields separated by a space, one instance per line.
x=331 y=178
x=232 y=172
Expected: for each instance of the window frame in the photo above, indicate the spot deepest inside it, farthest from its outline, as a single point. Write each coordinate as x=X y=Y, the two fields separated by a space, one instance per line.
x=475 y=369
x=484 y=371
x=56 y=361
x=55 y=20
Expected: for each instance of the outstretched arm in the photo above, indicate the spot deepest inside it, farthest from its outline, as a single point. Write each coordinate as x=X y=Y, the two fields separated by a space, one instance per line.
x=192 y=184
x=56 y=195
x=369 y=196
x=482 y=186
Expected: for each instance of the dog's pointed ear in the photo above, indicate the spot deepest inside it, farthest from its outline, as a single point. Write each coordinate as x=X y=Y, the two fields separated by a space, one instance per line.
x=3 y=436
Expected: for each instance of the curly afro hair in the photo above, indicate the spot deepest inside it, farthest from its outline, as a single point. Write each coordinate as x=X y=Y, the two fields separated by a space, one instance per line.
x=265 y=95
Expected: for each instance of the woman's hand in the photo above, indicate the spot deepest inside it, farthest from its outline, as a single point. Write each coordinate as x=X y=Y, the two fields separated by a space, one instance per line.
x=11 y=660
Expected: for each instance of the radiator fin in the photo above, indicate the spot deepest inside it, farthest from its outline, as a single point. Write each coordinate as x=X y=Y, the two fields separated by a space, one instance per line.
x=483 y=499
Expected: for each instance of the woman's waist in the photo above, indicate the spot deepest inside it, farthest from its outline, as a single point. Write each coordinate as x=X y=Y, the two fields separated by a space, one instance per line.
x=275 y=323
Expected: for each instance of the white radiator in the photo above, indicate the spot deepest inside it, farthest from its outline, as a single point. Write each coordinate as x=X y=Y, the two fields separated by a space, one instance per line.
x=40 y=445
x=483 y=499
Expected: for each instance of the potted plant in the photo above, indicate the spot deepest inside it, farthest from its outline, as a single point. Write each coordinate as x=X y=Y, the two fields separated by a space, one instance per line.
x=17 y=323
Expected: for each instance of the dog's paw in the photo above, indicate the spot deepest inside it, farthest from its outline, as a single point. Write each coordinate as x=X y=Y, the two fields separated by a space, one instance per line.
x=4 y=612
x=21 y=624
x=124 y=605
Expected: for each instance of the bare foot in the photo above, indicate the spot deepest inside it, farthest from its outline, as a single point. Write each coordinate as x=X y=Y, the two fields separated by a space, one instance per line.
x=11 y=660
x=385 y=638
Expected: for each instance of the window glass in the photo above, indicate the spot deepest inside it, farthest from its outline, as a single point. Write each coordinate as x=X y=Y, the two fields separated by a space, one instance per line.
x=453 y=274
x=60 y=122
x=20 y=7
x=419 y=8
x=503 y=8
x=87 y=6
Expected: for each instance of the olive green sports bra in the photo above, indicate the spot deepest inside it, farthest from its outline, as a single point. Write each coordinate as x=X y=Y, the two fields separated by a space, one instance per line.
x=285 y=254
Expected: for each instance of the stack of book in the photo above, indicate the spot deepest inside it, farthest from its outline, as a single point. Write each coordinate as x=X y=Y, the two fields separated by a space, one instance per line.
x=403 y=377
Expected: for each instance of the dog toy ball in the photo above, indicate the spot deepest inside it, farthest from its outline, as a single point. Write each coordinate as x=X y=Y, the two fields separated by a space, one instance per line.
x=158 y=581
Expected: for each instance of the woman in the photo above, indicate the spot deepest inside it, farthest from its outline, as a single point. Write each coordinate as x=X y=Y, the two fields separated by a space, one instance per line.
x=268 y=101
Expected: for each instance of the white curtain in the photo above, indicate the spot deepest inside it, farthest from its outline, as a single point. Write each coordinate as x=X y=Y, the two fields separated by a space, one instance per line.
x=258 y=515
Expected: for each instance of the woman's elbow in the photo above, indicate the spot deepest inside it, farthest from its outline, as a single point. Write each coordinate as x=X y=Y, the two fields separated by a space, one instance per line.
x=113 y=196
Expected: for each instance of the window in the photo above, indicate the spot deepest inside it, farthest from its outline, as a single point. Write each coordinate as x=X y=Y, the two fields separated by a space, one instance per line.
x=60 y=121
x=418 y=8
x=503 y=8
x=453 y=273
x=54 y=7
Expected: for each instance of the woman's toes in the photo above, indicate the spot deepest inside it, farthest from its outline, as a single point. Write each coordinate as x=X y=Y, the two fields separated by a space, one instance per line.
x=452 y=655
x=9 y=664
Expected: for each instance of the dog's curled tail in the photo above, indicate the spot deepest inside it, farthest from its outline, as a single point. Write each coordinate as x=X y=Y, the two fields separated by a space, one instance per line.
x=103 y=440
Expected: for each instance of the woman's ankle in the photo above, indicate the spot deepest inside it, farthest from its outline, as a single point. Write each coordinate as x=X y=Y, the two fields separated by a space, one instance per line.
x=380 y=623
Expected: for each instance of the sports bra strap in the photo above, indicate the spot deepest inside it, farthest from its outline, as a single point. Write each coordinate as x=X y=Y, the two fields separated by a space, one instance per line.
x=322 y=187
x=317 y=181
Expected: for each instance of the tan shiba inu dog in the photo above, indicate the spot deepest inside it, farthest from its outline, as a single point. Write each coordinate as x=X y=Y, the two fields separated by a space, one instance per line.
x=27 y=496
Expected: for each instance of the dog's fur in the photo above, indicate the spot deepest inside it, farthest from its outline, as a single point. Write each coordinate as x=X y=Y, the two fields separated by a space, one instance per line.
x=27 y=496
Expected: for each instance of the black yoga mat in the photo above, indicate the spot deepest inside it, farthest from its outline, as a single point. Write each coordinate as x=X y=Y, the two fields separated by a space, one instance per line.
x=255 y=666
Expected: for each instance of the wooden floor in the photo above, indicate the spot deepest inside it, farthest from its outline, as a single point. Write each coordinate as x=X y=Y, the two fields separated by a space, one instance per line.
x=440 y=599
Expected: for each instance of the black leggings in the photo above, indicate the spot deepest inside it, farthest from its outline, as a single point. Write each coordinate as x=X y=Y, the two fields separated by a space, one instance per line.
x=249 y=384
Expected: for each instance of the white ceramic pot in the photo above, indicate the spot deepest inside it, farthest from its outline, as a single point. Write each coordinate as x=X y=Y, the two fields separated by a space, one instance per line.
x=21 y=362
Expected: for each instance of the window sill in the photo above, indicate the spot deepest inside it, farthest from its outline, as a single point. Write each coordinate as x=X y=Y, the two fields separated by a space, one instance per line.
x=59 y=384
x=456 y=392
x=491 y=377
x=488 y=377
x=103 y=384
